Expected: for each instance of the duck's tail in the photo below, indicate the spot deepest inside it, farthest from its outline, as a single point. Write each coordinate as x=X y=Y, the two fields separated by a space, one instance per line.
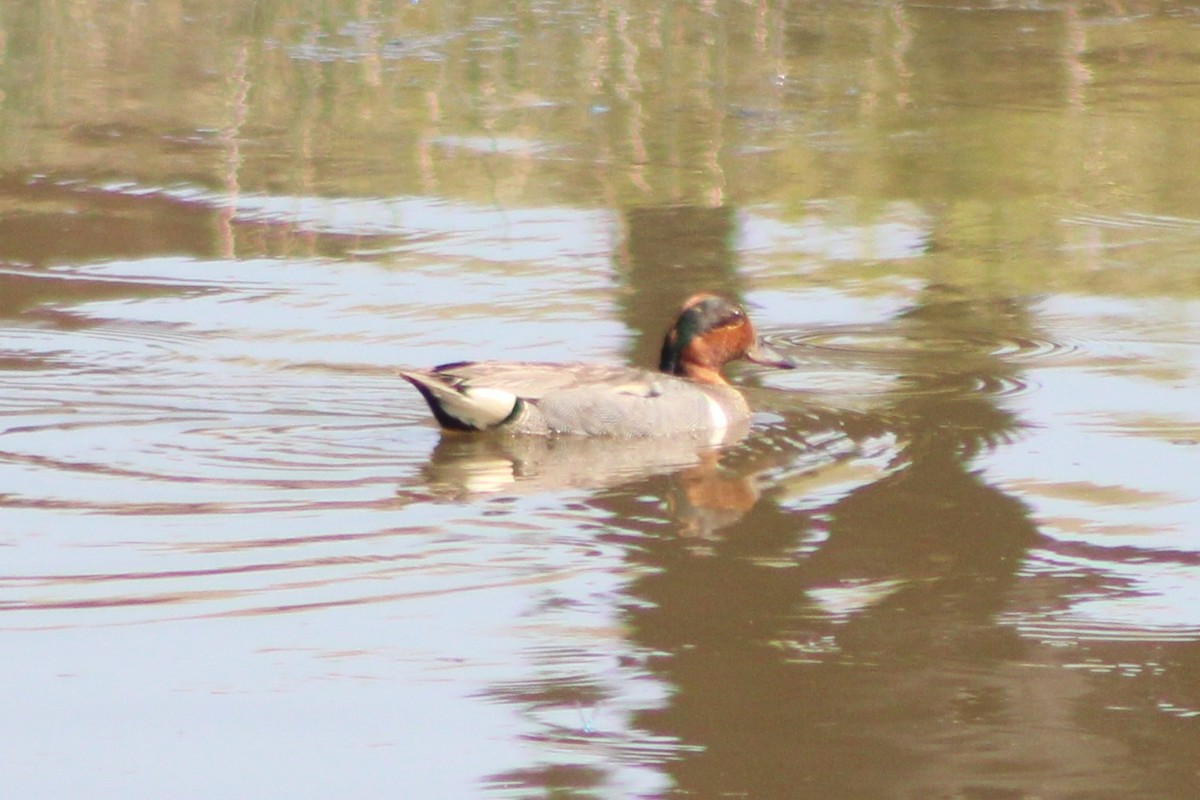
x=459 y=406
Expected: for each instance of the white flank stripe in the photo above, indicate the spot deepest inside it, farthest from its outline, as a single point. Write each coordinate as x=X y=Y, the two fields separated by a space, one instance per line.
x=718 y=419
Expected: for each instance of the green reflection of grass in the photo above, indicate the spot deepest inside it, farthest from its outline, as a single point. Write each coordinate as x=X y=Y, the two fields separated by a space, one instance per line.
x=1043 y=149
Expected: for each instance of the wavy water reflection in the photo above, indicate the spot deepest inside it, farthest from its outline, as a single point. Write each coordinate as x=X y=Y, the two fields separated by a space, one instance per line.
x=229 y=443
x=954 y=555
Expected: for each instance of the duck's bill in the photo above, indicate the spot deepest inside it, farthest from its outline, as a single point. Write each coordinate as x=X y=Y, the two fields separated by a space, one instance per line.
x=762 y=353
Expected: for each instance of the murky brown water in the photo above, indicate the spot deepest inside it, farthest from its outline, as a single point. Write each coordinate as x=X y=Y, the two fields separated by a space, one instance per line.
x=958 y=556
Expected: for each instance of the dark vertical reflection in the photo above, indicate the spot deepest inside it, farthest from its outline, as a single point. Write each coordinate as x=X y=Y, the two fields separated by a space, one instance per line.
x=783 y=696
x=672 y=252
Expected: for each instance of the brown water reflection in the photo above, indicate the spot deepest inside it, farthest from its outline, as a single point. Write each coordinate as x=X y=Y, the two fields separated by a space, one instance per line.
x=806 y=649
x=954 y=556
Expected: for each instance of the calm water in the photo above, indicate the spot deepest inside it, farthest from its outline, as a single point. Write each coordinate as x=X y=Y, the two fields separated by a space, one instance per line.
x=958 y=555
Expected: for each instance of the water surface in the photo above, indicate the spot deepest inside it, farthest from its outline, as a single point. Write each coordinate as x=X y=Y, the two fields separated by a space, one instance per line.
x=957 y=555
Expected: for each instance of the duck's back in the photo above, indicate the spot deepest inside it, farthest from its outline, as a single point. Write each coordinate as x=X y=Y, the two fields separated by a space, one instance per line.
x=533 y=380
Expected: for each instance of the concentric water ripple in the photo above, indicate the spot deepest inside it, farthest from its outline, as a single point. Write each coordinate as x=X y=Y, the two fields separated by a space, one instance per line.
x=912 y=363
x=179 y=513
x=201 y=482
x=886 y=345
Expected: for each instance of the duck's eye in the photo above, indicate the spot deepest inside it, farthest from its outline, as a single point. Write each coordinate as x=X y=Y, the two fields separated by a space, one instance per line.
x=735 y=317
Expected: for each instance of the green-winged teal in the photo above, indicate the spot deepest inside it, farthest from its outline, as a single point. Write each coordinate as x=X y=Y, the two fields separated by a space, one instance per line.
x=687 y=395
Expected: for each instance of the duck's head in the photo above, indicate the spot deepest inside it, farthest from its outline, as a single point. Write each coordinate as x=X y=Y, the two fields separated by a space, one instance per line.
x=710 y=332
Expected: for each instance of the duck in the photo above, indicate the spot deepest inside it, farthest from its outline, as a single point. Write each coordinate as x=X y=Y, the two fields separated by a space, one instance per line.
x=686 y=395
